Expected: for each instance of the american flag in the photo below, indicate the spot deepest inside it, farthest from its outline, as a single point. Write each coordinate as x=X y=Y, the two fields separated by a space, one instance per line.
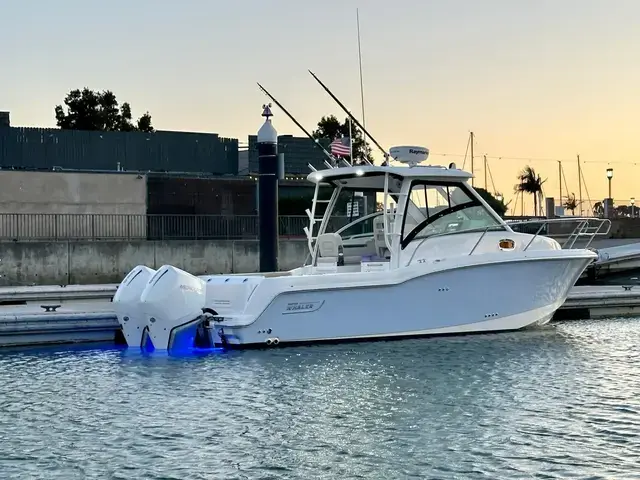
x=340 y=147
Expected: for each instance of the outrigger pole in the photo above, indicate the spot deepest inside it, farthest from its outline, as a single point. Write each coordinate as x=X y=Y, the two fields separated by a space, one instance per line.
x=315 y=140
x=355 y=120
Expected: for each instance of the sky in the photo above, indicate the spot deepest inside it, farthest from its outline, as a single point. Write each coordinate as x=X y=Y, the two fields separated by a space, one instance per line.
x=536 y=81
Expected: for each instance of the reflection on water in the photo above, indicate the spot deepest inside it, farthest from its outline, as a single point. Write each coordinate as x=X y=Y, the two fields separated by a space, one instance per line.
x=563 y=401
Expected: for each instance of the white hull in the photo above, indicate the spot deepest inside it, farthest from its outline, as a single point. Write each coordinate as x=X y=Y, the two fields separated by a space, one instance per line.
x=476 y=296
x=475 y=299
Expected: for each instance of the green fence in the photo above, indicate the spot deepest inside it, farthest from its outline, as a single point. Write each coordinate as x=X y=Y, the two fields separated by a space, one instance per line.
x=162 y=151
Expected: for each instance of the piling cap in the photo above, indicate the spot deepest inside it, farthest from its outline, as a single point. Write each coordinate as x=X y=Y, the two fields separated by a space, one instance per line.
x=267 y=134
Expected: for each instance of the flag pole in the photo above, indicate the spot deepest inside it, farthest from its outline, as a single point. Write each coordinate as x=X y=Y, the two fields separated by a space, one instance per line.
x=350 y=143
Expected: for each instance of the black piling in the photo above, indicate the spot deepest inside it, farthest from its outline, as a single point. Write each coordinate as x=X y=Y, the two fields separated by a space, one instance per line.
x=268 y=193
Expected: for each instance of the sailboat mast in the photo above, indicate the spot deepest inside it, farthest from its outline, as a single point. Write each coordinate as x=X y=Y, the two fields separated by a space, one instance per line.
x=580 y=183
x=350 y=143
x=560 y=182
x=485 y=172
x=471 y=142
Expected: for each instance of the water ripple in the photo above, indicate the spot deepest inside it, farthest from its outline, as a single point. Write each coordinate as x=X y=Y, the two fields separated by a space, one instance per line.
x=560 y=402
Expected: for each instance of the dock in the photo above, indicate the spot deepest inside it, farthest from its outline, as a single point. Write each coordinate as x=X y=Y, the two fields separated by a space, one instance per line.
x=43 y=315
x=615 y=256
x=77 y=323
x=617 y=259
x=602 y=301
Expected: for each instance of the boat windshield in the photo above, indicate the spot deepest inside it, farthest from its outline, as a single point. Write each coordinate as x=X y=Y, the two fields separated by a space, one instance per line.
x=436 y=208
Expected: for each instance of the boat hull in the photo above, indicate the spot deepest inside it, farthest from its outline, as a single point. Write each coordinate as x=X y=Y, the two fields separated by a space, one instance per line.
x=469 y=299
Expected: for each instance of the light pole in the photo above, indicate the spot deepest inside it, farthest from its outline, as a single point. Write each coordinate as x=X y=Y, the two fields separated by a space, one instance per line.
x=609 y=177
x=633 y=202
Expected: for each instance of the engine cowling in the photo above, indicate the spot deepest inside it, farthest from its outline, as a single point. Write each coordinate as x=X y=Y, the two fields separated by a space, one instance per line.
x=172 y=303
x=128 y=307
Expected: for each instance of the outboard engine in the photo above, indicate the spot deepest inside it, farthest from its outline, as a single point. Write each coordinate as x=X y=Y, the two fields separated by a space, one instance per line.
x=127 y=305
x=172 y=303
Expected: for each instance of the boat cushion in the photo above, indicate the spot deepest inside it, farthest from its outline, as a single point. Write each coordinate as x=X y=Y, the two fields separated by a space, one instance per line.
x=329 y=245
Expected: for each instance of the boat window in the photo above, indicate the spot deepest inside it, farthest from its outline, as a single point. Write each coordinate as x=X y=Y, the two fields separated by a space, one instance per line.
x=442 y=208
x=352 y=209
x=360 y=227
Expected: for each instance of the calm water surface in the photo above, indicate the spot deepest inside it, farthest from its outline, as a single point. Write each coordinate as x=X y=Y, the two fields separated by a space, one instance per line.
x=562 y=402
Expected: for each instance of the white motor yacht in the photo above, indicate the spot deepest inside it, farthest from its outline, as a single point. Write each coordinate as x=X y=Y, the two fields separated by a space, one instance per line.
x=433 y=259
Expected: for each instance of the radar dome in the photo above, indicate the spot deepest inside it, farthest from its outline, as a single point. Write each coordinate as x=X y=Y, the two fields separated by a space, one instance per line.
x=409 y=154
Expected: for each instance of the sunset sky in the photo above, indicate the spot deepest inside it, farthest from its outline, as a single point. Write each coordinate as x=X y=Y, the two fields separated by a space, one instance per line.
x=545 y=79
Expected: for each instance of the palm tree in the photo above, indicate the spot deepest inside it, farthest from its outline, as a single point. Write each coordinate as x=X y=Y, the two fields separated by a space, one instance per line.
x=530 y=182
x=571 y=204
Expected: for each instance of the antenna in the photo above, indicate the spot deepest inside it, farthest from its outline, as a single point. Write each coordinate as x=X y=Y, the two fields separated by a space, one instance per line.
x=355 y=120
x=360 y=62
x=315 y=140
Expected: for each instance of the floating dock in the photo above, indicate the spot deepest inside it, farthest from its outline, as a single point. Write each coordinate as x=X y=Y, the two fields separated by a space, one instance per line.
x=84 y=313
x=25 y=325
x=617 y=259
x=615 y=256
x=604 y=301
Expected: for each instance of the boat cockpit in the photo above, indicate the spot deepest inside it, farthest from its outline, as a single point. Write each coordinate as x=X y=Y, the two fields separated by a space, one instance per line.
x=365 y=218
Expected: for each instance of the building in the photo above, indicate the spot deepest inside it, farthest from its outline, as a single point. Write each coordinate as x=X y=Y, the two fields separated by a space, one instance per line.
x=175 y=173
x=23 y=148
x=298 y=152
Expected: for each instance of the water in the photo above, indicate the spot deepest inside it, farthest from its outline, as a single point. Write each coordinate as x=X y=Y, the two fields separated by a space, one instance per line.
x=561 y=402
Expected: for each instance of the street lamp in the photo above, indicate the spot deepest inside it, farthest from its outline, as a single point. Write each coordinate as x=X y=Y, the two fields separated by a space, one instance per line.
x=609 y=177
x=633 y=202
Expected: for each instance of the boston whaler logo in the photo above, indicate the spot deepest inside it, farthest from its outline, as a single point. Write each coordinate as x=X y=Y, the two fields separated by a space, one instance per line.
x=302 y=307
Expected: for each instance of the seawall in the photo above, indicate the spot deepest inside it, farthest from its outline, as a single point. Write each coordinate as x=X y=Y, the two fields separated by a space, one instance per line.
x=67 y=263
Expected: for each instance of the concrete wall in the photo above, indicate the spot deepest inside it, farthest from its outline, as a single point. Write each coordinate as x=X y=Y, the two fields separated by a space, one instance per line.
x=625 y=228
x=64 y=263
x=61 y=192
x=53 y=200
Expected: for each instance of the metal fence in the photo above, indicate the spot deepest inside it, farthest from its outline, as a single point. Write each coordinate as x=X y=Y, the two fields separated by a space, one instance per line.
x=70 y=226
x=80 y=226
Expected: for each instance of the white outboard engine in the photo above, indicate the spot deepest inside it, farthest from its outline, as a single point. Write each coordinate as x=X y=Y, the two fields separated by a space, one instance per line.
x=127 y=305
x=172 y=303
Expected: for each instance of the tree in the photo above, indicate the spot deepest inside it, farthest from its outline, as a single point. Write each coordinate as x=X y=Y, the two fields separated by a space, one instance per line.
x=622 y=210
x=331 y=128
x=497 y=205
x=530 y=182
x=89 y=110
x=598 y=209
x=571 y=204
